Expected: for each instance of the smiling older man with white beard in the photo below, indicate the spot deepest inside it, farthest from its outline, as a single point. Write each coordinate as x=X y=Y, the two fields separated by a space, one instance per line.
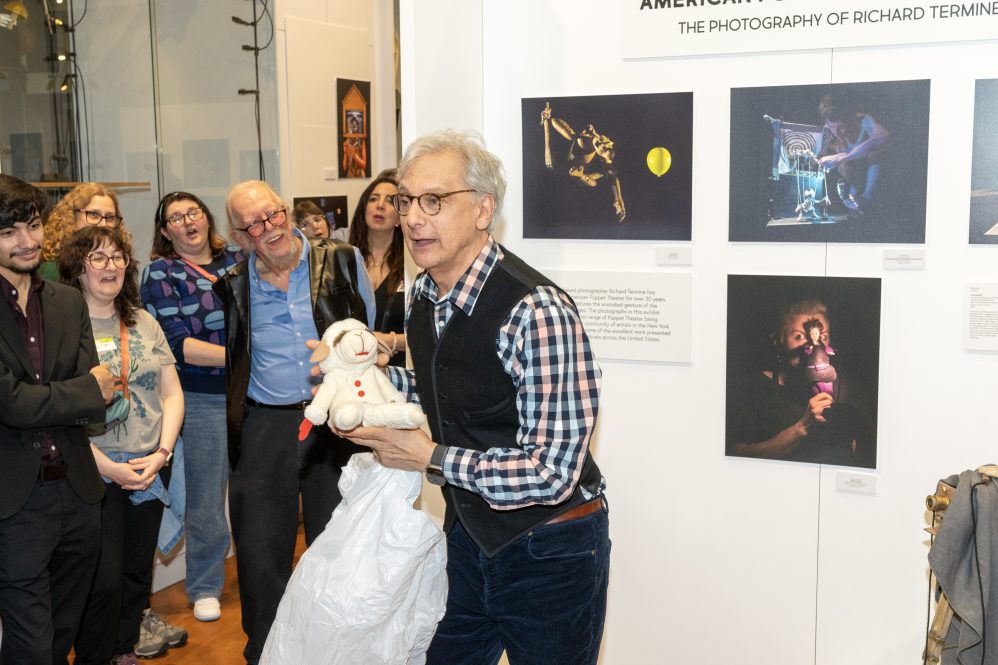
x=288 y=290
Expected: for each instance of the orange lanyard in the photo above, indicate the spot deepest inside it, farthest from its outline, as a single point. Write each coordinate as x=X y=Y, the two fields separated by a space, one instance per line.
x=204 y=273
x=124 y=358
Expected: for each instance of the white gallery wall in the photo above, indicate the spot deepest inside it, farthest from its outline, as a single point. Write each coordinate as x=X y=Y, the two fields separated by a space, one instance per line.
x=317 y=43
x=729 y=560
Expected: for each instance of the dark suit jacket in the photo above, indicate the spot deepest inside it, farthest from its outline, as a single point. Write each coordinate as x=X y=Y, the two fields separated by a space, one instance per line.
x=335 y=295
x=66 y=398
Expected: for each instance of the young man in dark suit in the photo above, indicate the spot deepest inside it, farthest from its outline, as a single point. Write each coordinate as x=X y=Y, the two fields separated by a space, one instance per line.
x=50 y=491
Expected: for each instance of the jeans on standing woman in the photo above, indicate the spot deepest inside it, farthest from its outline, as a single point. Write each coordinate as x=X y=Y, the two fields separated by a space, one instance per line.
x=206 y=470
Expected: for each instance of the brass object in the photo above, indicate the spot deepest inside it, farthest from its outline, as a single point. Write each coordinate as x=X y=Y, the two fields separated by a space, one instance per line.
x=939 y=501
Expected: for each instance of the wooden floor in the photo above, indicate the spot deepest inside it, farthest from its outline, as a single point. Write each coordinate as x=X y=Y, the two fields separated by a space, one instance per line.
x=210 y=643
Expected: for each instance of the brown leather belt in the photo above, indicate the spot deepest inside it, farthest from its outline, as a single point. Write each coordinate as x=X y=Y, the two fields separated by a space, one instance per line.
x=587 y=508
x=56 y=472
x=297 y=406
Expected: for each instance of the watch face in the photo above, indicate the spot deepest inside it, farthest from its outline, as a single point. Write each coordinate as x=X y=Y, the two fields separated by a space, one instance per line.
x=435 y=475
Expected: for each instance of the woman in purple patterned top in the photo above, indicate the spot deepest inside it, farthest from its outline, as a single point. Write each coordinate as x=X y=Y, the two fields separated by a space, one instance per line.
x=188 y=256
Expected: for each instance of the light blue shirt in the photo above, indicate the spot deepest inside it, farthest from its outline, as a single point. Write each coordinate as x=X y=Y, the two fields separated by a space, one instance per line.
x=280 y=323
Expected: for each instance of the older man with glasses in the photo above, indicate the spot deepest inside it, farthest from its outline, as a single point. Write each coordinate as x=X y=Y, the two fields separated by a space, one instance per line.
x=503 y=368
x=289 y=290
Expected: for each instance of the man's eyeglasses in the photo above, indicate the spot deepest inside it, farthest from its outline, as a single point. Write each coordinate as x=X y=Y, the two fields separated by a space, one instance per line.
x=95 y=217
x=429 y=203
x=100 y=260
x=195 y=215
x=257 y=228
x=317 y=220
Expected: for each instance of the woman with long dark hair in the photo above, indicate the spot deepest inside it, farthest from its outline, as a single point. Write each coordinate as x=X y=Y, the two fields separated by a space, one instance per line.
x=375 y=230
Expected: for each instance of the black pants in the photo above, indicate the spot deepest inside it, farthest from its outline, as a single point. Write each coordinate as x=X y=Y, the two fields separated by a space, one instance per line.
x=48 y=551
x=121 y=587
x=274 y=470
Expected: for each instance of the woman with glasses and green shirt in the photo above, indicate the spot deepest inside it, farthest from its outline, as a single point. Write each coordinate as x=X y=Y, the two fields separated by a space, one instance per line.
x=87 y=204
x=188 y=256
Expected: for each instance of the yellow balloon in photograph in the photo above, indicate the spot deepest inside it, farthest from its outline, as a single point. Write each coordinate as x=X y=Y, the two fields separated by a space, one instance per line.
x=659 y=161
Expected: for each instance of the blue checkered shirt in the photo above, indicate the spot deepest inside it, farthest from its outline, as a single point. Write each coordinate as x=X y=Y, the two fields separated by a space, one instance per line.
x=546 y=353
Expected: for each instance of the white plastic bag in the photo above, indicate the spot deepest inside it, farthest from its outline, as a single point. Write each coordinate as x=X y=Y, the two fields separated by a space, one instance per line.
x=373 y=586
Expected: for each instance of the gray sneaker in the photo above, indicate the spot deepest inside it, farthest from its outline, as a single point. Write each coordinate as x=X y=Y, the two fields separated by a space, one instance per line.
x=174 y=636
x=150 y=644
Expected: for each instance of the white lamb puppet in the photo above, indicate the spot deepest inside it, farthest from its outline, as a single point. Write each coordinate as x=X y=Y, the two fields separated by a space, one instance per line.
x=354 y=391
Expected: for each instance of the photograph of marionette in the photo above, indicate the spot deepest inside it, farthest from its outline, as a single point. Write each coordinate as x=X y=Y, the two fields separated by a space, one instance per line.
x=352 y=127
x=840 y=162
x=791 y=394
x=984 y=172
x=608 y=167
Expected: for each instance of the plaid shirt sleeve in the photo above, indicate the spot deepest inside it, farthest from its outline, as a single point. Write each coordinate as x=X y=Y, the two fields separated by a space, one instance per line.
x=405 y=381
x=546 y=353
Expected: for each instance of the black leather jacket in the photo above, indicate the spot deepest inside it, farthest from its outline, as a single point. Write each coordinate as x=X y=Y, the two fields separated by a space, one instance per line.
x=332 y=269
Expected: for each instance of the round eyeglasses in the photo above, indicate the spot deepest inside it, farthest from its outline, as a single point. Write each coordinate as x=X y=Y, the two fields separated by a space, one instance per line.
x=95 y=217
x=100 y=260
x=428 y=202
x=194 y=214
x=257 y=228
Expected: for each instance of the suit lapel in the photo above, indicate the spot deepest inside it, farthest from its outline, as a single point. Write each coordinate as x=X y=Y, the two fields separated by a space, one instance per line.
x=52 y=322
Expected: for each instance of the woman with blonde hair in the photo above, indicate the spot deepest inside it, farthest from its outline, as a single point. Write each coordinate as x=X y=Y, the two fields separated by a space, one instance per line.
x=87 y=204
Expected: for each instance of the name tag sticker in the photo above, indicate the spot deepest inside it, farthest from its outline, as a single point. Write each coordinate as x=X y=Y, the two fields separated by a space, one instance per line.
x=105 y=344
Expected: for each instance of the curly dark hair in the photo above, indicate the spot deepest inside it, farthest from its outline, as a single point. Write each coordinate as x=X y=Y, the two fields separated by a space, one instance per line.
x=72 y=263
x=162 y=246
x=395 y=257
x=20 y=201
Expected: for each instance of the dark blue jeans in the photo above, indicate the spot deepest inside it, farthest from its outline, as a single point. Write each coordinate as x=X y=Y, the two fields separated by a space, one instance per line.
x=542 y=598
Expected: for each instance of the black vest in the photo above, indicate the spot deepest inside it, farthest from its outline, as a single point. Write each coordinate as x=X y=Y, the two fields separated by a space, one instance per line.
x=470 y=400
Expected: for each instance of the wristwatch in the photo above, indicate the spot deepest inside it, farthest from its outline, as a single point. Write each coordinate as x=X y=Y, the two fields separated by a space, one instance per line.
x=435 y=469
x=168 y=454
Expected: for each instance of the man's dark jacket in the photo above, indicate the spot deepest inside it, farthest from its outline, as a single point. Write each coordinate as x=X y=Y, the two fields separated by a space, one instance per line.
x=332 y=269
x=65 y=399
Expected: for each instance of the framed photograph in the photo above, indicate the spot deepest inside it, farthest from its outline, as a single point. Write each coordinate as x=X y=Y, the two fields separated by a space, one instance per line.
x=612 y=167
x=984 y=173
x=353 y=101
x=844 y=162
x=803 y=359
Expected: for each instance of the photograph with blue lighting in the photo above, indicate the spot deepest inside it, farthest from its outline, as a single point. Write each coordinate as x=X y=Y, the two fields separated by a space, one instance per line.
x=842 y=162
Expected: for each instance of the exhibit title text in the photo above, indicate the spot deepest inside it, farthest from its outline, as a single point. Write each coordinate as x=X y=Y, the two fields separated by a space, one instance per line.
x=857 y=17
x=677 y=4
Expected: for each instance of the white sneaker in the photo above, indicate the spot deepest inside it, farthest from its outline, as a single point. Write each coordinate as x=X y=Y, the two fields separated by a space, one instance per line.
x=207 y=609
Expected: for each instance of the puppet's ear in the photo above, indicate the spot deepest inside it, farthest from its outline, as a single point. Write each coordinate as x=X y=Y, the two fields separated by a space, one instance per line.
x=321 y=353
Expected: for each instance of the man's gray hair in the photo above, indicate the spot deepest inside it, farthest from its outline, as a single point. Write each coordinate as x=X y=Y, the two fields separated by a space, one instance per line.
x=246 y=185
x=483 y=171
